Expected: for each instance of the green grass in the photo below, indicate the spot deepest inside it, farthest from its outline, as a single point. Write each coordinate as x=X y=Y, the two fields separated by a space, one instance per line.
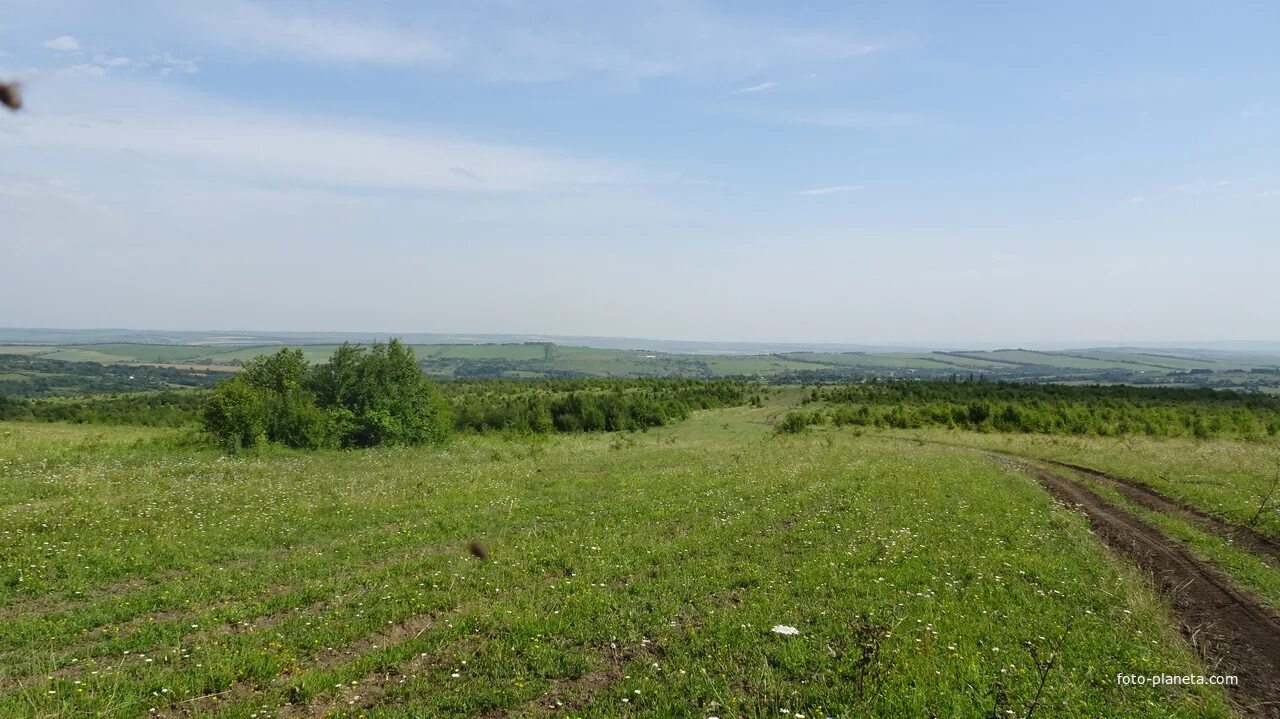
x=630 y=574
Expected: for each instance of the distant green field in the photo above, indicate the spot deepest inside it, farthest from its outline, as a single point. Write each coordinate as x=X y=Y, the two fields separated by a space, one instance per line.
x=507 y=352
x=1161 y=361
x=153 y=353
x=964 y=362
x=891 y=361
x=1047 y=359
x=24 y=349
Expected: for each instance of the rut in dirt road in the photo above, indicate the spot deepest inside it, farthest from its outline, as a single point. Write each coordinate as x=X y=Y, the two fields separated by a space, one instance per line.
x=1234 y=632
x=1148 y=498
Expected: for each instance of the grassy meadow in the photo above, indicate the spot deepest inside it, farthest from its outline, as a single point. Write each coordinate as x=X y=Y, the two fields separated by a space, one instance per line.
x=628 y=574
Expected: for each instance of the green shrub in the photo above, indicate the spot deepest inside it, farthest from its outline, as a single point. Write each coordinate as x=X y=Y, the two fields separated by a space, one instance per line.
x=798 y=421
x=236 y=415
x=594 y=405
x=358 y=399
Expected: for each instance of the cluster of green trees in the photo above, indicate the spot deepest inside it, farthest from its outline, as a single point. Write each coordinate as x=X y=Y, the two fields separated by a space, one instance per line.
x=585 y=405
x=1105 y=410
x=149 y=409
x=361 y=397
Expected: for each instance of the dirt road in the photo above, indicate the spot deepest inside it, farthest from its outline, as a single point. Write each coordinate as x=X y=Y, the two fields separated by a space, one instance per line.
x=1234 y=632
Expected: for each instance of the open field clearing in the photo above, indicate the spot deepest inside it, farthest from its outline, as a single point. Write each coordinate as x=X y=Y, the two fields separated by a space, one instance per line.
x=635 y=574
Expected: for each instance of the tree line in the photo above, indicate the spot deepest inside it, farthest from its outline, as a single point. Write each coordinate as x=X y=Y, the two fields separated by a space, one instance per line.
x=24 y=376
x=596 y=405
x=167 y=408
x=1104 y=410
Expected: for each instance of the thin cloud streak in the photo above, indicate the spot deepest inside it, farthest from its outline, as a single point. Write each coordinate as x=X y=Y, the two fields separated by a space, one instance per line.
x=837 y=119
x=755 y=88
x=831 y=190
x=312 y=37
x=514 y=43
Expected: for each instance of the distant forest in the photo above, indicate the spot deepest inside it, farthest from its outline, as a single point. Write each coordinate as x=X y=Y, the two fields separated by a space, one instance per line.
x=26 y=376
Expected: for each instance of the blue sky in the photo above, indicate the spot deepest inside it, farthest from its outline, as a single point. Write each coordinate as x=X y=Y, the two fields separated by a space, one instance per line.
x=990 y=173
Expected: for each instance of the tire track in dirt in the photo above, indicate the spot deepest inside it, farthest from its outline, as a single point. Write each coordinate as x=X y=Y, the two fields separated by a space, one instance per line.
x=1233 y=631
x=373 y=573
x=1143 y=496
x=367 y=692
x=269 y=562
x=577 y=693
x=409 y=628
x=1148 y=498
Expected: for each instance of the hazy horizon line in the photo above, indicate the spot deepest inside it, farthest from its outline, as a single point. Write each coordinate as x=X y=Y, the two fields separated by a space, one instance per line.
x=482 y=337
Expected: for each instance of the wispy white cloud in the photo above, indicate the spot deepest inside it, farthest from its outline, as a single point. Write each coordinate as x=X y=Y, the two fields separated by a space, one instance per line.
x=633 y=42
x=87 y=69
x=1268 y=193
x=311 y=35
x=839 y=118
x=155 y=66
x=833 y=189
x=755 y=88
x=1198 y=187
x=1253 y=110
x=165 y=64
x=514 y=42
x=62 y=43
x=197 y=134
x=1137 y=199
x=679 y=178
x=106 y=60
x=55 y=192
